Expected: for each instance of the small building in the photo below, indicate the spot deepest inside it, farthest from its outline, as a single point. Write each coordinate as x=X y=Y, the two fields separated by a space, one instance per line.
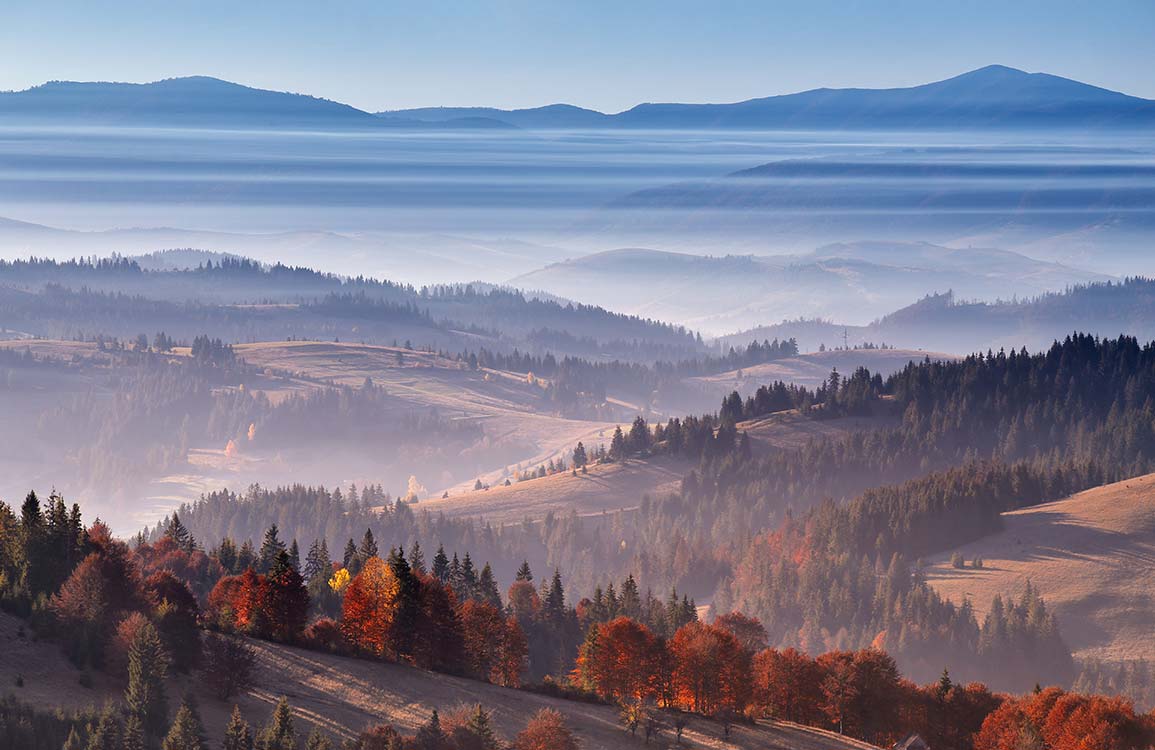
x=912 y=742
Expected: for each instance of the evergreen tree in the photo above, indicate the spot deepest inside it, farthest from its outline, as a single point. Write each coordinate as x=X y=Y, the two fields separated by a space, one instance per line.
x=271 y=546
x=187 y=732
x=133 y=735
x=417 y=559
x=247 y=557
x=238 y=734
x=481 y=727
x=441 y=565
x=349 y=558
x=176 y=531
x=106 y=734
x=524 y=573
x=368 y=547
x=279 y=733
x=227 y=555
x=318 y=741
x=295 y=556
x=430 y=735
x=147 y=669
x=487 y=588
x=285 y=608
x=73 y=742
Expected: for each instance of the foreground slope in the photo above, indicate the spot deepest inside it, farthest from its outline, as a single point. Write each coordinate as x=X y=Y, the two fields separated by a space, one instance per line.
x=343 y=696
x=1091 y=556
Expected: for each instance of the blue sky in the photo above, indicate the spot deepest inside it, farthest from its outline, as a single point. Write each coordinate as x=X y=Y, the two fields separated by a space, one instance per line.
x=378 y=54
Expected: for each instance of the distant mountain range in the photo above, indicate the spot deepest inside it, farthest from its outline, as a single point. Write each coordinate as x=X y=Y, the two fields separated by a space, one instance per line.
x=853 y=282
x=990 y=97
x=195 y=102
x=943 y=322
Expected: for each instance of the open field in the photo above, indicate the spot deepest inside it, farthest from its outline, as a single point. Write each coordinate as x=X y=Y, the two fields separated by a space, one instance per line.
x=343 y=696
x=605 y=488
x=1091 y=556
x=790 y=430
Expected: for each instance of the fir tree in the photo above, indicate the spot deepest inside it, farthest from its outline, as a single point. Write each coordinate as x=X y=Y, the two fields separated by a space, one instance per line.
x=317 y=741
x=295 y=556
x=271 y=546
x=430 y=735
x=133 y=735
x=368 y=547
x=238 y=734
x=524 y=573
x=487 y=588
x=417 y=559
x=349 y=558
x=279 y=733
x=106 y=734
x=176 y=531
x=187 y=732
x=147 y=669
x=441 y=565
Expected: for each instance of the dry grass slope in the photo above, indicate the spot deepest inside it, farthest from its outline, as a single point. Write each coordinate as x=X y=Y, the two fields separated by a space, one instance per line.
x=344 y=695
x=1092 y=556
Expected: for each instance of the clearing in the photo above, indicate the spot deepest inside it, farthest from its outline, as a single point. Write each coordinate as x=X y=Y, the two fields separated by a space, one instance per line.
x=1092 y=558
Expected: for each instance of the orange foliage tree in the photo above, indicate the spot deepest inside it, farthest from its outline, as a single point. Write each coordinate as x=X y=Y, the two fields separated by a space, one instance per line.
x=711 y=669
x=1066 y=721
x=620 y=660
x=369 y=608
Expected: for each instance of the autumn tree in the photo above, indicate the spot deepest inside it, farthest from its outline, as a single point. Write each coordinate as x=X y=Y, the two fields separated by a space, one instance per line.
x=546 y=730
x=368 y=609
x=619 y=660
x=711 y=669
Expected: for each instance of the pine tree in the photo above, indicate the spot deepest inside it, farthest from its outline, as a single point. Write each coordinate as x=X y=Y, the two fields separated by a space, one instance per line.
x=270 y=547
x=226 y=555
x=147 y=669
x=524 y=573
x=106 y=734
x=317 y=741
x=187 y=732
x=441 y=565
x=481 y=727
x=238 y=735
x=417 y=559
x=368 y=547
x=279 y=733
x=179 y=534
x=487 y=588
x=555 y=600
x=286 y=600
x=349 y=558
x=295 y=556
x=430 y=735
x=133 y=735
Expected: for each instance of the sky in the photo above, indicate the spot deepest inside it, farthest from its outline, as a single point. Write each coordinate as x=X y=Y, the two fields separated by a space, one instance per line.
x=603 y=54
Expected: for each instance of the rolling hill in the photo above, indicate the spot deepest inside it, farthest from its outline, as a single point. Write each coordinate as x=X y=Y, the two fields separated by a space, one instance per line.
x=995 y=96
x=344 y=696
x=854 y=282
x=1091 y=556
x=942 y=321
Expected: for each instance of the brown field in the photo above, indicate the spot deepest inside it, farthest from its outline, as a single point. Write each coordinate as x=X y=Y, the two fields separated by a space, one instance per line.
x=790 y=430
x=605 y=488
x=1091 y=556
x=343 y=696
x=811 y=370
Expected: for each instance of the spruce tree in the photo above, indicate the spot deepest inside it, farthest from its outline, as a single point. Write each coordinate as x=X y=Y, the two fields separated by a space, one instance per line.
x=187 y=732
x=238 y=734
x=487 y=588
x=368 y=547
x=430 y=735
x=349 y=558
x=147 y=669
x=318 y=741
x=524 y=573
x=133 y=735
x=417 y=559
x=279 y=733
x=295 y=556
x=441 y=565
x=106 y=734
x=271 y=546
x=480 y=726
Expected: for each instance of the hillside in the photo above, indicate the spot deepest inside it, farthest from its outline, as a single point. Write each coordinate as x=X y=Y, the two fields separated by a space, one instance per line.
x=994 y=96
x=853 y=282
x=1091 y=556
x=344 y=696
x=946 y=322
x=812 y=369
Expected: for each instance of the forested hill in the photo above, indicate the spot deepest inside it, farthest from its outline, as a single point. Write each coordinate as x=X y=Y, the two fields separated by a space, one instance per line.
x=241 y=300
x=942 y=322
